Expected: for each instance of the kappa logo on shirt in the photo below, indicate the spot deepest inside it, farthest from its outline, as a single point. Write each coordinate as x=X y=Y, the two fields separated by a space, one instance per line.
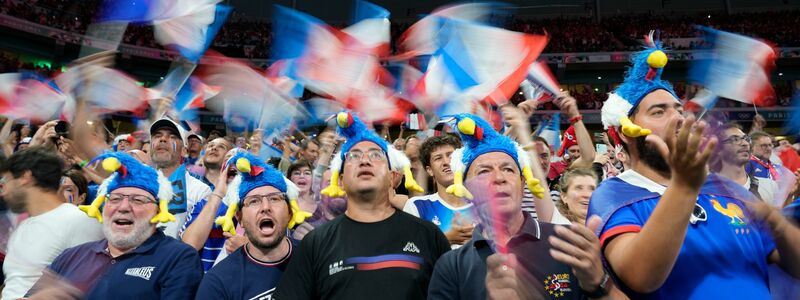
x=411 y=247
x=141 y=272
x=264 y=296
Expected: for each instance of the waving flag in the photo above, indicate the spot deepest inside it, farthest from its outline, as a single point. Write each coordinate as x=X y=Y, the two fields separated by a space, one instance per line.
x=188 y=25
x=370 y=27
x=106 y=89
x=737 y=68
x=539 y=74
x=550 y=130
x=29 y=96
x=420 y=38
x=703 y=100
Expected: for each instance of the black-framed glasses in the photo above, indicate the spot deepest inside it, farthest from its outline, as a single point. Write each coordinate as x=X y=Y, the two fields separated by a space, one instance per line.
x=736 y=139
x=135 y=200
x=257 y=200
x=372 y=155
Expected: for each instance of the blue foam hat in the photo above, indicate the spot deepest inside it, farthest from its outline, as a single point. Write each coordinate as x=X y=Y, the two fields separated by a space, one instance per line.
x=480 y=138
x=642 y=78
x=254 y=173
x=126 y=171
x=354 y=131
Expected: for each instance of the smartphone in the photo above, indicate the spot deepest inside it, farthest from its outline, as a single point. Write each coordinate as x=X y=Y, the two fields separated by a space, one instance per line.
x=601 y=148
x=62 y=129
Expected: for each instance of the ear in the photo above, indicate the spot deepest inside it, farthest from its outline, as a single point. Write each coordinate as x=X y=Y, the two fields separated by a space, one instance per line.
x=429 y=171
x=27 y=178
x=238 y=215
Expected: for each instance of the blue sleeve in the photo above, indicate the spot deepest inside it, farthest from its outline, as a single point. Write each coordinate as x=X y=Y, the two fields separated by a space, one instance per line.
x=211 y=288
x=444 y=281
x=182 y=281
x=624 y=220
x=193 y=215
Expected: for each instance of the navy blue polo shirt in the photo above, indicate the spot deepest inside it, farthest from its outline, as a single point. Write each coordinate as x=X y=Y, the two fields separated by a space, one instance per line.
x=160 y=268
x=461 y=273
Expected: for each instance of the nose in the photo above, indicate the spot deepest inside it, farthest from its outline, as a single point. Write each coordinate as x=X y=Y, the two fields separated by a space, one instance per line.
x=497 y=176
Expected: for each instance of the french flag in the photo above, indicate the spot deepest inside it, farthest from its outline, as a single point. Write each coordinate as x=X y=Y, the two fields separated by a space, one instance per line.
x=737 y=68
x=371 y=27
x=27 y=95
x=420 y=38
x=187 y=25
x=193 y=94
x=540 y=75
x=550 y=131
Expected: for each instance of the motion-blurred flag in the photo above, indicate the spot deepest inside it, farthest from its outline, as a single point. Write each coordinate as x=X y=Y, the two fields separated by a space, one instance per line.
x=26 y=95
x=420 y=38
x=105 y=89
x=550 y=131
x=737 y=68
x=188 y=25
x=539 y=74
x=703 y=100
x=370 y=27
x=792 y=125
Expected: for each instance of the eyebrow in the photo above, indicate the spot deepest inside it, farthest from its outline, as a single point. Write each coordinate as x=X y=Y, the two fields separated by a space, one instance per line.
x=369 y=149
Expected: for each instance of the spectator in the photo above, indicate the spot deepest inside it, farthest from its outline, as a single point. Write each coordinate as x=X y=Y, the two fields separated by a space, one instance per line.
x=760 y=164
x=577 y=186
x=494 y=173
x=74 y=187
x=299 y=173
x=309 y=149
x=213 y=160
x=31 y=180
x=450 y=213
x=787 y=153
x=730 y=161
x=168 y=140
x=657 y=216
x=373 y=250
x=123 y=142
x=264 y=211
x=134 y=253
x=411 y=149
x=193 y=148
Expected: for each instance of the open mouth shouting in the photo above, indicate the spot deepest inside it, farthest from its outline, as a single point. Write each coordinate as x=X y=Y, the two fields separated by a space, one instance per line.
x=266 y=226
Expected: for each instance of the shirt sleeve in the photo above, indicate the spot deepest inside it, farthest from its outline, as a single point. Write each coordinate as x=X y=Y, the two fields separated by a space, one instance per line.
x=183 y=279
x=411 y=208
x=444 y=281
x=622 y=221
x=298 y=282
x=196 y=209
x=211 y=288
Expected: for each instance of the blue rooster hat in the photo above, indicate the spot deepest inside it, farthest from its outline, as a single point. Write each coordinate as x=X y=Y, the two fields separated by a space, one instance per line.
x=480 y=138
x=641 y=79
x=126 y=171
x=254 y=173
x=354 y=131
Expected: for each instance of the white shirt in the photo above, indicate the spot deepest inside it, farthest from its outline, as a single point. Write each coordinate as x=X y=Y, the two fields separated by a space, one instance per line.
x=37 y=241
x=767 y=189
x=196 y=190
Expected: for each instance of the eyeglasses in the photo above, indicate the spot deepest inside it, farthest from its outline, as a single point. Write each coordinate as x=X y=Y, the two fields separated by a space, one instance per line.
x=766 y=146
x=372 y=155
x=736 y=139
x=254 y=201
x=135 y=200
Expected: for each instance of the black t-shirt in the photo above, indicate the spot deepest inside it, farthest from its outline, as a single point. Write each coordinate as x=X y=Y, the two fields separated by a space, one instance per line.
x=346 y=259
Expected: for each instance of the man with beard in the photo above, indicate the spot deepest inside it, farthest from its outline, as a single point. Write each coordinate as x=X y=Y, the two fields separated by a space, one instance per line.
x=213 y=158
x=450 y=213
x=669 y=230
x=135 y=260
x=31 y=179
x=373 y=250
x=730 y=161
x=167 y=142
x=253 y=271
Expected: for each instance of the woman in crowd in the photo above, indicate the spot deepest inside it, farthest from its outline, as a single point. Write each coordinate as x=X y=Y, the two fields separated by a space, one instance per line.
x=577 y=186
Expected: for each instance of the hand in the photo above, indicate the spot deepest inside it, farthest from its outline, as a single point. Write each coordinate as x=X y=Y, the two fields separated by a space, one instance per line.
x=233 y=242
x=44 y=134
x=568 y=105
x=221 y=185
x=520 y=129
x=689 y=165
x=528 y=106
x=601 y=158
x=794 y=192
x=578 y=247
x=505 y=279
x=759 y=122
x=301 y=230
x=457 y=235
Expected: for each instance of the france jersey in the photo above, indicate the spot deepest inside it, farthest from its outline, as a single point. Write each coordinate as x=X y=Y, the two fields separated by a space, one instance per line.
x=722 y=252
x=432 y=208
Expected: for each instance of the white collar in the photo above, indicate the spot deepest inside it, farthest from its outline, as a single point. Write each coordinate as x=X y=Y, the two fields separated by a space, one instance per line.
x=634 y=178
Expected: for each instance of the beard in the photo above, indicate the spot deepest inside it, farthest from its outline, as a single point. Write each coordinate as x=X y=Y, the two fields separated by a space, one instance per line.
x=280 y=235
x=16 y=201
x=651 y=157
x=142 y=230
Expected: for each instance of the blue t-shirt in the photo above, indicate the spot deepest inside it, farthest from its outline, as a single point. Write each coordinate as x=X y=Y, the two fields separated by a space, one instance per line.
x=719 y=256
x=432 y=208
x=216 y=241
x=240 y=276
x=160 y=268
